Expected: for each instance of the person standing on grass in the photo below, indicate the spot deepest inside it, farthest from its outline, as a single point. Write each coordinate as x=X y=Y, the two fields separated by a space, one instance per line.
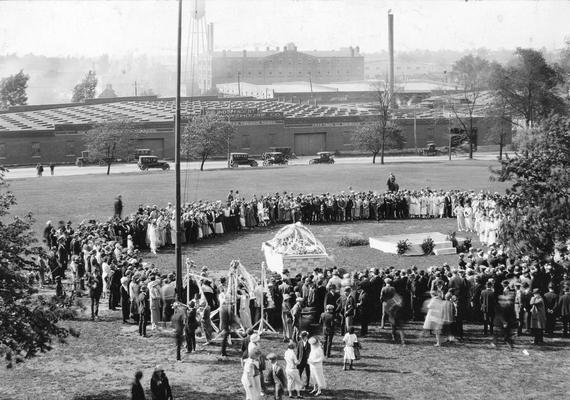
x=293 y=378
x=190 y=327
x=125 y=299
x=39 y=169
x=505 y=320
x=303 y=351
x=537 y=316
x=144 y=309
x=327 y=320
x=95 y=290
x=159 y=385
x=118 y=206
x=179 y=322
x=51 y=167
x=137 y=391
x=276 y=377
x=350 y=341
x=315 y=361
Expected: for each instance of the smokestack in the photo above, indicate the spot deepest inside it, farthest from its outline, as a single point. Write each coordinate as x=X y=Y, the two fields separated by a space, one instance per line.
x=211 y=37
x=391 y=51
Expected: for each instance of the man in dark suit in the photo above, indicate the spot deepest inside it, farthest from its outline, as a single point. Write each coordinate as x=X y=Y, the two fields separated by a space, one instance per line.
x=277 y=377
x=563 y=308
x=328 y=322
x=488 y=303
x=95 y=291
x=461 y=288
x=303 y=350
x=550 y=303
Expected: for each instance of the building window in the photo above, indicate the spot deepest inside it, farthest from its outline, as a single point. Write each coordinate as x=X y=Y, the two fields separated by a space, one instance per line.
x=2 y=150
x=36 y=153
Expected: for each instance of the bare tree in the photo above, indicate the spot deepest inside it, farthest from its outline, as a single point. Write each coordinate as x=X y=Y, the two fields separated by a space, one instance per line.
x=472 y=74
x=384 y=133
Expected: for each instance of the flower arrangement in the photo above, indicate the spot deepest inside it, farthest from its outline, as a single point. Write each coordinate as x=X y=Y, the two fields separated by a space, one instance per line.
x=403 y=246
x=428 y=246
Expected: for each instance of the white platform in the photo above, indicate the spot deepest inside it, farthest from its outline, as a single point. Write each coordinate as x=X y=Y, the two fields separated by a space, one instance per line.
x=389 y=244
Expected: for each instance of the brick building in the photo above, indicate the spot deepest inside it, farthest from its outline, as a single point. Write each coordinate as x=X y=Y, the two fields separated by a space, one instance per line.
x=288 y=65
x=52 y=133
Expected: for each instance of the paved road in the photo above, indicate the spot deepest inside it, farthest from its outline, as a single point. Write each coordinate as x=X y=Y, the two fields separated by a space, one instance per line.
x=69 y=170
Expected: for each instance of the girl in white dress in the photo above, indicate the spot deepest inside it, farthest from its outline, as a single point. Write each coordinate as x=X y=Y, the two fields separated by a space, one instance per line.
x=349 y=340
x=293 y=378
x=468 y=213
x=460 y=218
x=315 y=360
x=250 y=377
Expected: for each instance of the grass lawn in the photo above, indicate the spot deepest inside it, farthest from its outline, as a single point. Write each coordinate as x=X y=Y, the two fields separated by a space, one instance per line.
x=101 y=363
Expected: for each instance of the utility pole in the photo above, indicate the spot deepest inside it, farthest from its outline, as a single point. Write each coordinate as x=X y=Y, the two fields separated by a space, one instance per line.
x=178 y=205
x=239 y=88
x=136 y=92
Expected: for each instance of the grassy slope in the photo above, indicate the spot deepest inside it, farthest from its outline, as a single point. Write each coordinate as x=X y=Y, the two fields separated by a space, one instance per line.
x=101 y=363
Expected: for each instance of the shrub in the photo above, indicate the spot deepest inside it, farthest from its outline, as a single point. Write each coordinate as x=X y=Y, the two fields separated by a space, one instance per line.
x=403 y=246
x=451 y=236
x=353 y=240
x=427 y=246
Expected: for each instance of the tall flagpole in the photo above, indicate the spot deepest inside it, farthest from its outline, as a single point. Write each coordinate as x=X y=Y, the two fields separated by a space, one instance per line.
x=178 y=206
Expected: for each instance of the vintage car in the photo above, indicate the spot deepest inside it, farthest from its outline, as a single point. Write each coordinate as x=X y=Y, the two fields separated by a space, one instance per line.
x=86 y=160
x=274 y=158
x=430 y=150
x=147 y=162
x=140 y=152
x=286 y=152
x=237 y=159
x=325 y=157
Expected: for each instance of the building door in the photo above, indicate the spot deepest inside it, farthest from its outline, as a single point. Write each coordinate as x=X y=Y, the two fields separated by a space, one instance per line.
x=155 y=145
x=310 y=143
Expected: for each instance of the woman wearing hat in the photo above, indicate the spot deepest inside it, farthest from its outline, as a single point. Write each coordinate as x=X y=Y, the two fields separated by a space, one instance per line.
x=315 y=360
x=537 y=316
x=125 y=299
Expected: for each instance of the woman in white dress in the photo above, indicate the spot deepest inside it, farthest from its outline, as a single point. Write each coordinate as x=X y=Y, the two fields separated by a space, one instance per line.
x=249 y=378
x=460 y=217
x=349 y=340
x=468 y=213
x=153 y=236
x=293 y=378
x=315 y=360
x=244 y=312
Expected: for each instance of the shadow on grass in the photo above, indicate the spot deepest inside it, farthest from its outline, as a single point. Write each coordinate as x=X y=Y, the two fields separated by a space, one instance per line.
x=178 y=391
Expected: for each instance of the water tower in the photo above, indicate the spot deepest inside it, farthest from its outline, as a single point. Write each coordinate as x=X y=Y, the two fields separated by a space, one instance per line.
x=198 y=64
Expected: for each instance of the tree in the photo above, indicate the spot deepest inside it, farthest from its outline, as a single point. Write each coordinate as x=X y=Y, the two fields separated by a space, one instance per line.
x=472 y=74
x=502 y=125
x=28 y=322
x=529 y=86
x=13 y=90
x=537 y=206
x=85 y=89
x=384 y=133
x=112 y=140
x=374 y=137
x=205 y=136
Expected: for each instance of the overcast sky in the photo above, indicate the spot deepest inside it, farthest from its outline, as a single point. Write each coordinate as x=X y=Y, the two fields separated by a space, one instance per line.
x=95 y=27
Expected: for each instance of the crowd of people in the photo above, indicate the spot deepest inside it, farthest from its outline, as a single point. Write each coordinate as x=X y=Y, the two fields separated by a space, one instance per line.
x=506 y=296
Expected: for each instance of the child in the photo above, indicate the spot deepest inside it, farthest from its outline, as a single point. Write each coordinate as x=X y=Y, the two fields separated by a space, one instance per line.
x=350 y=340
x=277 y=376
x=190 y=328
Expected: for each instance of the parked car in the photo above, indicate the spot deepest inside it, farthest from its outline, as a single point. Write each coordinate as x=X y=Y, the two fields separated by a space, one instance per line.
x=287 y=152
x=324 y=157
x=430 y=150
x=147 y=162
x=140 y=152
x=274 y=158
x=86 y=160
x=237 y=159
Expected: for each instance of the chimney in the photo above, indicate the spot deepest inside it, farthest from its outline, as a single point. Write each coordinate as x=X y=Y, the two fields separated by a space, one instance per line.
x=351 y=49
x=211 y=37
x=277 y=48
x=267 y=48
x=391 y=51
x=357 y=50
x=245 y=53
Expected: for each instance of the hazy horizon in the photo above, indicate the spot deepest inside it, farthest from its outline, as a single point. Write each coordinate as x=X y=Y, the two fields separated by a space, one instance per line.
x=92 y=28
